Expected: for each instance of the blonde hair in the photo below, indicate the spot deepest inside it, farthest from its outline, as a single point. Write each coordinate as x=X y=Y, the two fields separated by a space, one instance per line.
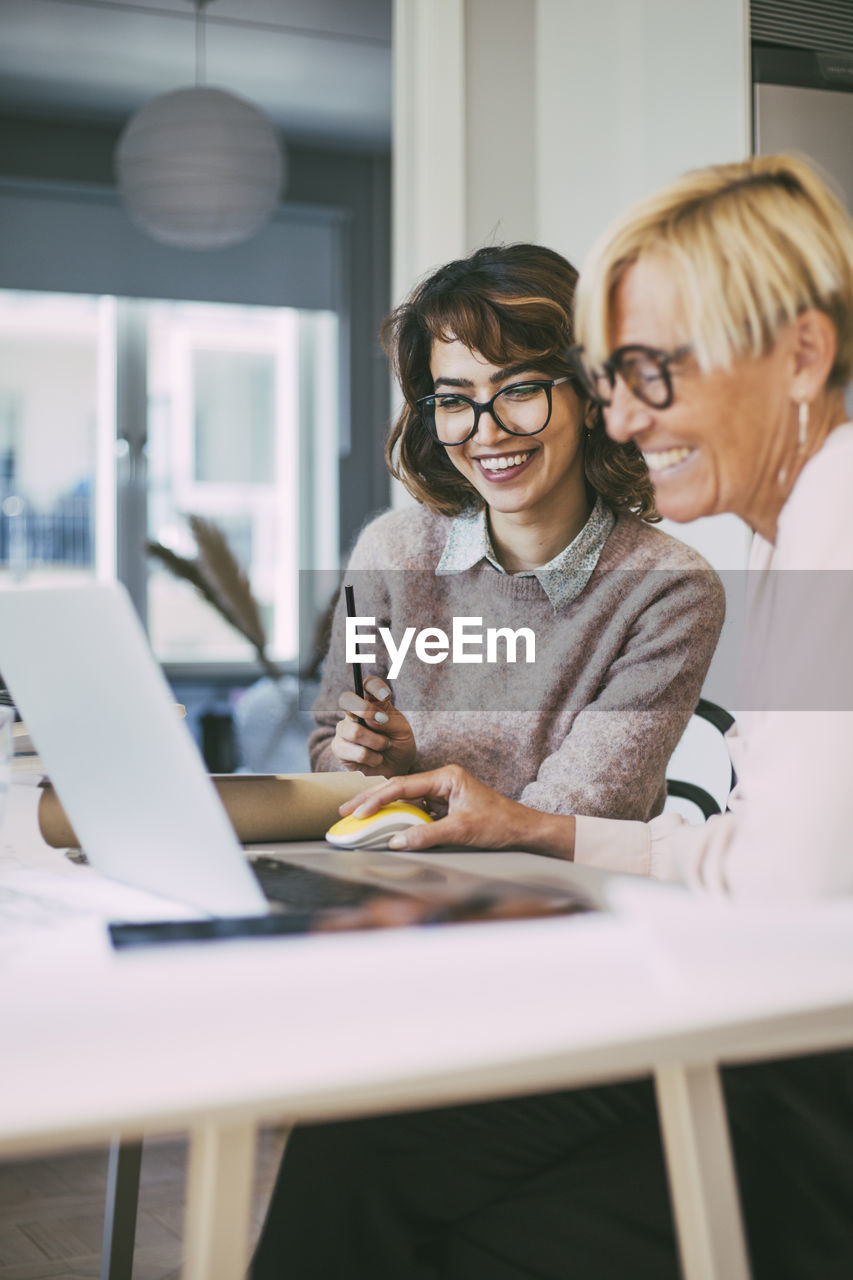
x=750 y=246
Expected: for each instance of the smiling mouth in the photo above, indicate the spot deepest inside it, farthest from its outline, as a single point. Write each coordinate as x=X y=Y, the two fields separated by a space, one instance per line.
x=665 y=459
x=500 y=464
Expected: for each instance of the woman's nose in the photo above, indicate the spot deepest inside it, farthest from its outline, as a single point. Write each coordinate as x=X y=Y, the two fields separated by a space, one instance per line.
x=488 y=431
x=625 y=416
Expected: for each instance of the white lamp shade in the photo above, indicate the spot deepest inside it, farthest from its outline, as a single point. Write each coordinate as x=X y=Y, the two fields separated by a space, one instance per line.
x=199 y=168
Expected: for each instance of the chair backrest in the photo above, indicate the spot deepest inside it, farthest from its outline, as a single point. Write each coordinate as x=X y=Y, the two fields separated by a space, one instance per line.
x=701 y=754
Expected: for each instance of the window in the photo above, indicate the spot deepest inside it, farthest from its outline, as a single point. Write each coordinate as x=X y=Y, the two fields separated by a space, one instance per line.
x=120 y=418
x=52 y=349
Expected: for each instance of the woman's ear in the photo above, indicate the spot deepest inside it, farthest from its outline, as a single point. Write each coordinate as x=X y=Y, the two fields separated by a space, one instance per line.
x=814 y=352
x=591 y=415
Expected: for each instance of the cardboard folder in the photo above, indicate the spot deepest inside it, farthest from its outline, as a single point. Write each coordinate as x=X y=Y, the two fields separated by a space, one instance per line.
x=264 y=808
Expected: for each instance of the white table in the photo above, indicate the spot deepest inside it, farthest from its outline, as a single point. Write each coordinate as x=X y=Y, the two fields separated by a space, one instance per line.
x=217 y=1039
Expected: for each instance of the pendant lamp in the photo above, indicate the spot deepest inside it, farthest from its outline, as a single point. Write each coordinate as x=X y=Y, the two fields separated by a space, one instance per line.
x=199 y=168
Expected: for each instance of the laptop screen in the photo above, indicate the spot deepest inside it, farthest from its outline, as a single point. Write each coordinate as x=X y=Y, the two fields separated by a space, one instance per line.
x=123 y=763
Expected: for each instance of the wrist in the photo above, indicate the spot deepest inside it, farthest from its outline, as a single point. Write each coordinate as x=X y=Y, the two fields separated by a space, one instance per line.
x=551 y=834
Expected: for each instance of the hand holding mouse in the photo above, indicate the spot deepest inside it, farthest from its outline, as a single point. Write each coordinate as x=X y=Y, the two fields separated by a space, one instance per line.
x=476 y=816
x=384 y=744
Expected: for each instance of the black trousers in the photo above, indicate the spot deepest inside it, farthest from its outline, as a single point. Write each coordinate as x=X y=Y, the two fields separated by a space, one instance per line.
x=563 y=1186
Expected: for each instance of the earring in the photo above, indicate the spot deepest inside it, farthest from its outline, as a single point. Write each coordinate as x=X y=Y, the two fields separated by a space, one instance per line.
x=803 y=420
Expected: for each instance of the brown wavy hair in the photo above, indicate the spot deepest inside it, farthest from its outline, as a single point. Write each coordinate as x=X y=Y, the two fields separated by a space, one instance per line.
x=512 y=304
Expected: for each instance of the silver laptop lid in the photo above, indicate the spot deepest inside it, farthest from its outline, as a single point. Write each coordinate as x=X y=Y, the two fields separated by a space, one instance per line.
x=123 y=762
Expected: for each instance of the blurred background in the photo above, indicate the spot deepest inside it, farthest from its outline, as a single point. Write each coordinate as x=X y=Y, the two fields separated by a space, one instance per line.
x=141 y=382
x=144 y=380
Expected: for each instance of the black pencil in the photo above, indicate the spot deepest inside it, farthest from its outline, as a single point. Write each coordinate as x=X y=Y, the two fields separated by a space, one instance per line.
x=358 y=683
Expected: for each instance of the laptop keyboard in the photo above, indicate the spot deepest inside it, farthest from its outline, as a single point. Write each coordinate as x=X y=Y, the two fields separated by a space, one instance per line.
x=298 y=894
x=301 y=889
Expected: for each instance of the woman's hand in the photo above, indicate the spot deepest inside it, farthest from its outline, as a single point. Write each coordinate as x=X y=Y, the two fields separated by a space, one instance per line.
x=385 y=744
x=477 y=817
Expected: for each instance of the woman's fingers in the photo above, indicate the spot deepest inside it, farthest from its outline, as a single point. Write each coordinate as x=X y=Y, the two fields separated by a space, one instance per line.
x=354 y=706
x=353 y=744
x=385 y=732
x=477 y=817
x=415 y=786
x=376 y=709
x=377 y=697
x=377 y=689
x=352 y=731
x=349 y=753
x=451 y=830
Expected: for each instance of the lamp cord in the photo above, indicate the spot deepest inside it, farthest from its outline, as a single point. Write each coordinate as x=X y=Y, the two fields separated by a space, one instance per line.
x=200 y=47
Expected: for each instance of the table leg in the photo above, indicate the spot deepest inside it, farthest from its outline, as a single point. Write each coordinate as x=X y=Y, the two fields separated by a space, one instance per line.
x=120 y=1210
x=701 y=1172
x=219 y=1196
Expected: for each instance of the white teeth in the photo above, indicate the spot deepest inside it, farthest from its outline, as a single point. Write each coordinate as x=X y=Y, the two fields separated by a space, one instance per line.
x=666 y=458
x=505 y=461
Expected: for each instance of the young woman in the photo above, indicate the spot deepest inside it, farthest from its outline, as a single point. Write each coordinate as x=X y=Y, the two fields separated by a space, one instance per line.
x=528 y=519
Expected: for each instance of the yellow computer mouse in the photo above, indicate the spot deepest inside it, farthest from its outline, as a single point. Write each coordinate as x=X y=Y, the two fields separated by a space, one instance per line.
x=374 y=832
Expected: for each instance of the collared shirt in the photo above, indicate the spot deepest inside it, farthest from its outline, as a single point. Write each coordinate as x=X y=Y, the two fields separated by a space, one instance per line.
x=562 y=579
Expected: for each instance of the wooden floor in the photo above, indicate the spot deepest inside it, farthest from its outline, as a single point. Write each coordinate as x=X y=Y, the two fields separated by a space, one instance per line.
x=52 y=1211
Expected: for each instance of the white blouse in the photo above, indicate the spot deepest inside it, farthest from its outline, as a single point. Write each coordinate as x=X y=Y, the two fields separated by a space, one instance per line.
x=789 y=831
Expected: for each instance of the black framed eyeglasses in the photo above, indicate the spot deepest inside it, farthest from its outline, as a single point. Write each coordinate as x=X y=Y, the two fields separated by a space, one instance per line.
x=522 y=409
x=644 y=370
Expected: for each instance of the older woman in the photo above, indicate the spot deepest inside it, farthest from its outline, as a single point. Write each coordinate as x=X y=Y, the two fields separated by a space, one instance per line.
x=717 y=322
x=528 y=518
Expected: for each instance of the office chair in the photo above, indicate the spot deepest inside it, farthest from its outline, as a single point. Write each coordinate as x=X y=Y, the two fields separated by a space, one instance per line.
x=689 y=755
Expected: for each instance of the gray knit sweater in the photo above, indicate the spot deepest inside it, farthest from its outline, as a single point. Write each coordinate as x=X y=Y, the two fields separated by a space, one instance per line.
x=589 y=726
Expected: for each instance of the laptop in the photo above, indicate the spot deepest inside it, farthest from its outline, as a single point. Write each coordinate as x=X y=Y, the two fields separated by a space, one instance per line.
x=132 y=782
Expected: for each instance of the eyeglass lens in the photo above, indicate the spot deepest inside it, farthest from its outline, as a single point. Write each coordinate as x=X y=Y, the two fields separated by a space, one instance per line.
x=645 y=374
x=523 y=409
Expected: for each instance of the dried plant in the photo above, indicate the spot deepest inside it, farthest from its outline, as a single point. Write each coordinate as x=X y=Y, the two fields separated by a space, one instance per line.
x=218 y=578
